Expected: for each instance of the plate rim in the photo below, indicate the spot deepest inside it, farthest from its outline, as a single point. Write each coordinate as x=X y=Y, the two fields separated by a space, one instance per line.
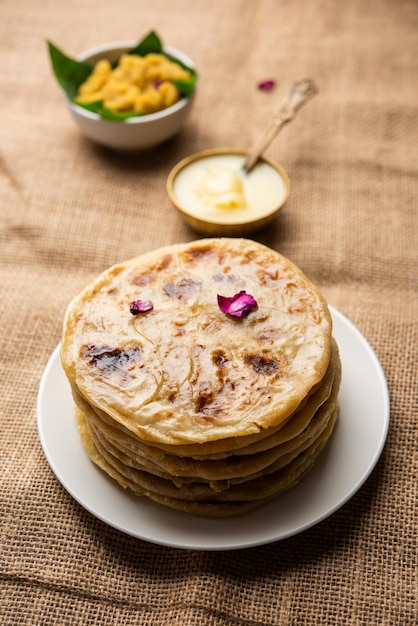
x=53 y=366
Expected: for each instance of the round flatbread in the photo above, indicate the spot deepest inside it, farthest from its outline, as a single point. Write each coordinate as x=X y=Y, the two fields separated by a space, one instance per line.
x=186 y=372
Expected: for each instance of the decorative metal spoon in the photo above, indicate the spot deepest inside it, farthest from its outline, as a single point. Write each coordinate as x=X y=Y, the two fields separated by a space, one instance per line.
x=301 y=92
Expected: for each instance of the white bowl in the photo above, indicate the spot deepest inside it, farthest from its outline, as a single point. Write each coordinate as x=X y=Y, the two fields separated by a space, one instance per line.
x=134 y=133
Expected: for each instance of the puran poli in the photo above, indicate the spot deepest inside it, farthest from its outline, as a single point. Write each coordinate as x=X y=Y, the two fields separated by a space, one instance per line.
x=184 y=403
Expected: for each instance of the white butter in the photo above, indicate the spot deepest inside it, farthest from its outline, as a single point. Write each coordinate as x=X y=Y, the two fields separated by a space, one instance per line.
x=221 y=187
x=214 y=188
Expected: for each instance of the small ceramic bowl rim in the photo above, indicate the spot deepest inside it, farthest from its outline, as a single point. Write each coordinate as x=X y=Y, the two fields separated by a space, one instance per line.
x=140 y=119
x=256 y=222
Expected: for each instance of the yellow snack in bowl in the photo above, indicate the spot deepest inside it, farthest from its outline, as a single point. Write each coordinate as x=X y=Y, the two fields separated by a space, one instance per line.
x=136 y=85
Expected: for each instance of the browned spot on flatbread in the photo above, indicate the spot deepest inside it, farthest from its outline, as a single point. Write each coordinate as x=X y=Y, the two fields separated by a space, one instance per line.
x=202 y=401
x=211 y=326
x=219 y=358
x=195 y=254
x=144 y=279
x=165 y=262
x=268 y=335
x=110 y=361
x=261 y=364
x=152 y=274
x=181 y=289
x=270 y=276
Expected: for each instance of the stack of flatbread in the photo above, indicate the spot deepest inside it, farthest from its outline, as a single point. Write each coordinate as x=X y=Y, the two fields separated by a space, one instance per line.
x=187 y=394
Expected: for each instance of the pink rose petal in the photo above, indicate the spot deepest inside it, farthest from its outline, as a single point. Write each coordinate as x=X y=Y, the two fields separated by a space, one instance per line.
x=140 y=306
x=239 y=305
x=267 y=85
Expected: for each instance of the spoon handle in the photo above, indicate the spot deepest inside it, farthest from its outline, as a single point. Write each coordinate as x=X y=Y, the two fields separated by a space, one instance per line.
x=301 y=92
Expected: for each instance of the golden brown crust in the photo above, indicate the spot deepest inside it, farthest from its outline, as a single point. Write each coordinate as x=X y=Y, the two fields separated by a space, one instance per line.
x=200 y=498
x=184 y=404
x=185 y=372
x=304 y=427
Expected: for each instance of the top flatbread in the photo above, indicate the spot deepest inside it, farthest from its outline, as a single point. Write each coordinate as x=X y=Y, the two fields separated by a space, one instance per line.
x=185 y=372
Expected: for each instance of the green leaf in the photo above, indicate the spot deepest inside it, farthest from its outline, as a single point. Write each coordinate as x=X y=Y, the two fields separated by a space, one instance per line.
x=70 y=73
x=99 y=108
x=150 y=44
x=186 y=87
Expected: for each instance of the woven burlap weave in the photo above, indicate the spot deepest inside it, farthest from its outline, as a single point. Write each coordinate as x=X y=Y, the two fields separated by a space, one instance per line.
x=69 y=209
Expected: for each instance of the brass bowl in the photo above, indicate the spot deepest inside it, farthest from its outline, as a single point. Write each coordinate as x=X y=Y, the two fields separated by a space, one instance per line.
x=224 y=223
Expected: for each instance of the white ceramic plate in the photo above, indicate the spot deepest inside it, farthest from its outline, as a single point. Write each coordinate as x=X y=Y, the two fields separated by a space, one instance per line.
x=343 y=467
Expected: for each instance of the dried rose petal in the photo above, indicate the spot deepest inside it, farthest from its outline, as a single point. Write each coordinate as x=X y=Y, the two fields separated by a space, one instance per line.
x=140 y=306
x=266 y=85
x=239 y=305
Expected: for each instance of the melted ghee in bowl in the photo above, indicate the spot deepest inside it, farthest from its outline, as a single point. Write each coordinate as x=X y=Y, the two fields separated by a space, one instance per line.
x=214 y=195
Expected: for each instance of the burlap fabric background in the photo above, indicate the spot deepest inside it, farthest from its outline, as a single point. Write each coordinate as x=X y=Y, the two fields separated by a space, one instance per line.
x=69 y=209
